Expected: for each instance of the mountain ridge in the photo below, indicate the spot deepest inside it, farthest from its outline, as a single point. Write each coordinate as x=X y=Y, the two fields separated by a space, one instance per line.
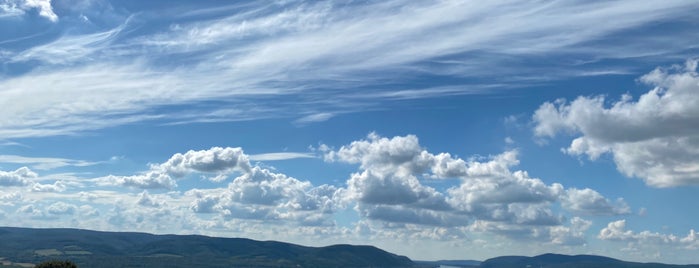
x=89 y=248
x=134 y=249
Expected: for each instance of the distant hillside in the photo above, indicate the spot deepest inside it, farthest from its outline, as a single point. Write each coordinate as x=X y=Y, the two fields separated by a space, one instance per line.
x=567 y=261
x=121 y=249
x=19 y=247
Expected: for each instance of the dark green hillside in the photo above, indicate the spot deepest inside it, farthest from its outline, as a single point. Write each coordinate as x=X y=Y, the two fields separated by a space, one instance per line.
x=566 y=261
x=110 y=249
x=19 y=246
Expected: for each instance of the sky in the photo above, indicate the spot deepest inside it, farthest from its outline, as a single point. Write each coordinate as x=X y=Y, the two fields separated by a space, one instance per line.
x=431 y=129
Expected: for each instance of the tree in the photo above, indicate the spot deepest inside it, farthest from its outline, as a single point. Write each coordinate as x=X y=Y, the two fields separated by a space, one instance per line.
x=56 y=264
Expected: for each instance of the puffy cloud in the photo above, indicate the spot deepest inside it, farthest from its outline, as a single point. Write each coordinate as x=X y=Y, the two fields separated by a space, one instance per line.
x=570 y=235
x=404 y=214
x=263 y=194
x=144 y=199
x=19 y=177
x=616 y=231
x=399 y=155
x=204 y=203
x=19 y=7
x=588 y=201
x=44 y=7
x=391 y=193
x=387 y=187
x=215 y=160
x=372 y=188
x=148 y=180
x=30 y=209
x=10 y=199
x=490 y=197
x=264 y=187
x=654 y=138
x=218 y=161
x=57 y=186
x=88 y=211
x=61 y=208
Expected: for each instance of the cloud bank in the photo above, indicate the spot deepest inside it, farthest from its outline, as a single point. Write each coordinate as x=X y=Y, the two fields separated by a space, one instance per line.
x=653 y=137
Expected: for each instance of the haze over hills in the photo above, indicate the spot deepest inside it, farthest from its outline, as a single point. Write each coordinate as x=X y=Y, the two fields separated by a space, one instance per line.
x=126 y=249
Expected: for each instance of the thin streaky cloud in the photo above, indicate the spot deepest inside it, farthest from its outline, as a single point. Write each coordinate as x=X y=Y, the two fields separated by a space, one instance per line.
x=265 y=52
x=280 y=156
x=44 y=163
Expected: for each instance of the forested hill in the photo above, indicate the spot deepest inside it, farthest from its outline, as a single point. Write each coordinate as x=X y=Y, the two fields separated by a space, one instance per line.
x=567 y=261
x=122 y=249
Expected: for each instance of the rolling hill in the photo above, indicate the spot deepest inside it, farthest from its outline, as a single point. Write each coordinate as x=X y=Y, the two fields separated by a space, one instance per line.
x=122 y=249
x=19 y=247
x=561 y=261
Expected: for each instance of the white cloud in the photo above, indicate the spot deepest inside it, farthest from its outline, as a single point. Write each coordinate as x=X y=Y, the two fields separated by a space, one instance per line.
x=572 y=235
x=279 y=156
x=215 y=160
x=264 y=195
x=70 y=49
x=490 y=197
x=44 y=163
x=148 y=180
x=20 y=177
x=57 y=186
x=145 y=199
x=653 y=138
x=44 y=7
x=13 y=8
x=340 y=56
x=61 y=208
x=11 y=199
x=314 y=118
x=588 y=201
x=616 y=231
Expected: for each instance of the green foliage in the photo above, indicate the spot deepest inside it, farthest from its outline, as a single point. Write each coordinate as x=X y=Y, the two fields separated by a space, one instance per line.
x=56 y=264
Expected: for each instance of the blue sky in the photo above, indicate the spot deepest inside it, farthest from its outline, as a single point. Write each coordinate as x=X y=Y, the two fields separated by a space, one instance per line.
x=437 y=130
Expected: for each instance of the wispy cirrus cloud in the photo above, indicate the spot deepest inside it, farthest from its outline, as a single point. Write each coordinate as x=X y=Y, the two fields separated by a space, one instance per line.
x=44 y=163
x=280 y=156
x=263 y=56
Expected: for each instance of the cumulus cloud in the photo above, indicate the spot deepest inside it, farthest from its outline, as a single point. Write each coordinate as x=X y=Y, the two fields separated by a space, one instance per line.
x=616 y=231
x=571 y=235
x=20 y=7
x=265 y=195
x=392 y=193
x=57 y=186
x=61 y=208
x=20 y=177
x=390 y=187
x=588 y=201
x=10 y=199
x=44 y=7
x=653 y=137
x=148 y=180
x=145 y=199
x=217 y=161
